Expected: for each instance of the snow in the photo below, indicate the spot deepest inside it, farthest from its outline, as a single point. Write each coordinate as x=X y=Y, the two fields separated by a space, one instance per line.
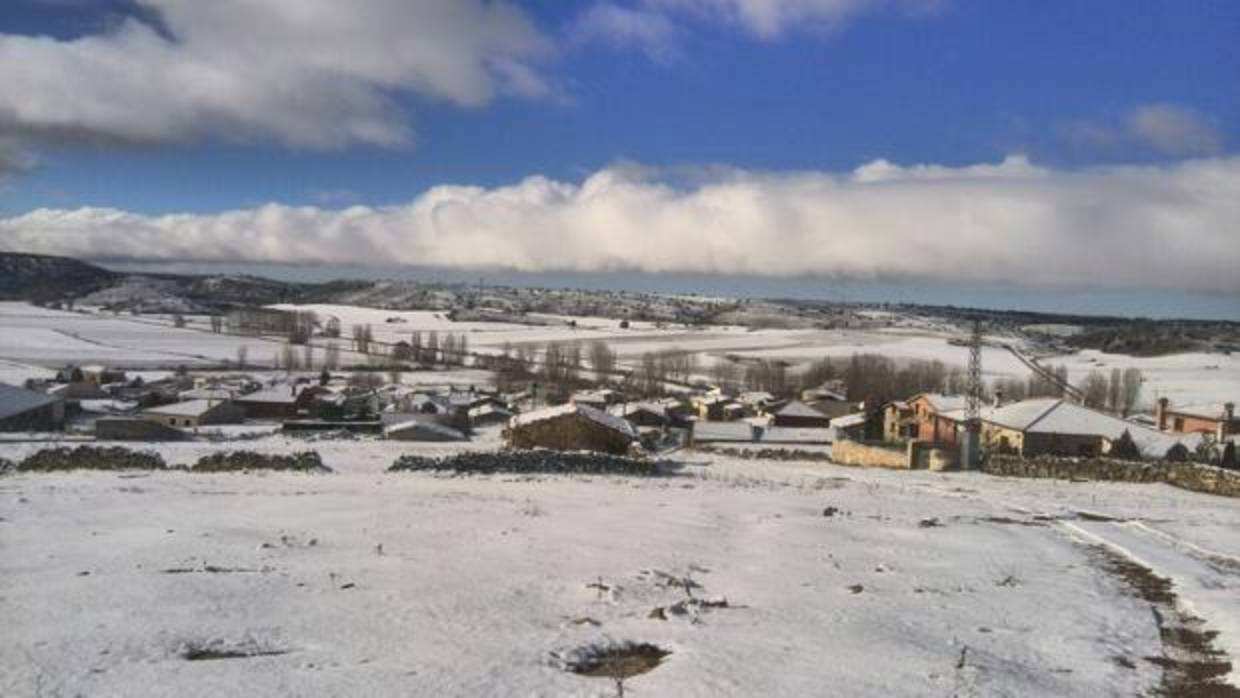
x=410 y=583
x=608 y=420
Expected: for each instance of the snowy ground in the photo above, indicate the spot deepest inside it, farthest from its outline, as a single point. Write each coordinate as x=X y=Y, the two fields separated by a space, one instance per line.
x=918 y=584
x=32 y=340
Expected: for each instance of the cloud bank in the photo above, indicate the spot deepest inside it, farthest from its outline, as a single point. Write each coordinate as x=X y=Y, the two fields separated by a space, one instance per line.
x=305 y=73
x=1166 y=129
x=1013 y=222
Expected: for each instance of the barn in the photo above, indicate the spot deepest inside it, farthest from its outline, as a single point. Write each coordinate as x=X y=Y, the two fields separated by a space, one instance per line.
x=26 y=410
x=571 y=427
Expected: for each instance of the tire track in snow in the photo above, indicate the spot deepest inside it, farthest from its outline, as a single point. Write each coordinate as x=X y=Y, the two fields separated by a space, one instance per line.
x=1196 y=661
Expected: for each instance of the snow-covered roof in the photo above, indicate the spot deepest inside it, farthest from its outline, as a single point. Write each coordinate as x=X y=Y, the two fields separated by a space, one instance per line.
x=755 y=397
x=15 y=400
x=595 y=415
x=190 y=408
x=424 y=426
x=796 y=435
x=281 y=394
x=631 y=408
x=1202 y=410
x=796 y=408
x=723 y=431
x=206 y=394
x=848 y=420
x=1058 y=416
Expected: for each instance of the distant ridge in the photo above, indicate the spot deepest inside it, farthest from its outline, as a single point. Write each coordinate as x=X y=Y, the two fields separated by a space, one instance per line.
x=39 y=277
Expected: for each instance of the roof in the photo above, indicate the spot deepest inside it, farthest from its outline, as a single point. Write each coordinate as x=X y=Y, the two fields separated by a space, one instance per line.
x=755 y=396
x=631 y=408
x=423 y=426
x=848 y=420
x=1058 y=416
x=610 y=421
x=723 y=431
x=795 y=435
x=1202 y=410
x=941 y=402
x=190 y=408
x=796 y=408
x=207 y=394
x=281 y=394
x=15 y=400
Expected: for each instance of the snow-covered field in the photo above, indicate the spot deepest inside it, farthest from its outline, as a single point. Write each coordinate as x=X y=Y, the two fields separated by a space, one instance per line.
x=367 y=583
x=34 y=339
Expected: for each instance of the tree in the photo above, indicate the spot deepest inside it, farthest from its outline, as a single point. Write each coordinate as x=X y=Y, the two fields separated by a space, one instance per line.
x=332 y=328
x=432 y=347
x=602 y=360
x=307 y=356
x=217 y=323
x=1094 y=389
x=1115 y=390
x=331 y=358
x=288 y=357
x=242 y=352
x=1130 y=390
x=325 y=376
x=178 y=320
x=415 y=347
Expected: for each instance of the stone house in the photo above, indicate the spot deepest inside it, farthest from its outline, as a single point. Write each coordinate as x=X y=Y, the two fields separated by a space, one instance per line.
x=1217 y=418
x=571 y=427
x=797 y=414
x=195 y=413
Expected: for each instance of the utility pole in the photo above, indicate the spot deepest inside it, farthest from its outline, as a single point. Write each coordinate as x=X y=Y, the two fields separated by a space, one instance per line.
x=971 y=440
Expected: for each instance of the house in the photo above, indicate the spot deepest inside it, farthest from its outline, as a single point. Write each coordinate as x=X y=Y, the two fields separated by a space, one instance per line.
x=928 y=410
x=135 y=429
x=800 y=415
x=488 y=413
x=1053 y=426
x=795 y=436
x=195 y=413
x=830 y=391
x=1216 y=418
x=898 y=422
x=280 y=402
x=709 y=407
x=571 y=427
x=707 y=433
x=26 y=410
x=642 y=414
x=756 y=402
x=598 y=399
x=415 y=428
x=851 y=427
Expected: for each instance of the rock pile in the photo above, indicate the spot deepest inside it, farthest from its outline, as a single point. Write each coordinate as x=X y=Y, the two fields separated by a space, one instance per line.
x=533 y=461
x=232 y=461
x=91 y=458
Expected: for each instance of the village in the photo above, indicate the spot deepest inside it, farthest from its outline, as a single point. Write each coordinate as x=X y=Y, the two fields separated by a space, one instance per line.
x=574 y=395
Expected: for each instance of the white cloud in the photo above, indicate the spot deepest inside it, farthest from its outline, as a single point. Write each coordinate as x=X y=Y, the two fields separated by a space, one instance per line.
x=319 y=73
x=619 y=26
x=769 y=19
x=1012 y=222
x=1167 y=129
x=1175 y=130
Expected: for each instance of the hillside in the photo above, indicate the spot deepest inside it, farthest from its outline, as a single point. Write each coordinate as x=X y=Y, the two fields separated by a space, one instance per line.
x=37 y=277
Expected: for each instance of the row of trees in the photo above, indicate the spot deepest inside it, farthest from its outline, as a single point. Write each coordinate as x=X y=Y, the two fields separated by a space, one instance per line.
x=1118 y=393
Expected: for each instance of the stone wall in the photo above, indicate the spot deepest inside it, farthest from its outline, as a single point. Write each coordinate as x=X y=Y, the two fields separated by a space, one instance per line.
x=1190 y=476
x=847 y=452
x=231 y=461
x=90 y=458
x=533 y=461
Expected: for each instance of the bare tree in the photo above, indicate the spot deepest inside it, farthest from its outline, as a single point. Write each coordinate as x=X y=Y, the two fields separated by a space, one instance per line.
x=242 y=352
x=1115 y=390
x=432 y=347
x=217 y=323
x=307 y=356
x=1130 y=391
x=602 y=360
x=331 y=357
x=1094 y=389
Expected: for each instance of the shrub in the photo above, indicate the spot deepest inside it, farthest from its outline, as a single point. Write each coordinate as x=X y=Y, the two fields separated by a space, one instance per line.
x=233 y=461
x=91 y=458
x=532 y=461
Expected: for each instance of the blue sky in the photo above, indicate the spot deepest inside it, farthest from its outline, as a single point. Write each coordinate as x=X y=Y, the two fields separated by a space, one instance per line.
x=761 y=87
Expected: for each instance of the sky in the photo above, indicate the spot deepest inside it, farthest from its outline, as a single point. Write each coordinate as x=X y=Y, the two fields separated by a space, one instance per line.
x=1060 y=151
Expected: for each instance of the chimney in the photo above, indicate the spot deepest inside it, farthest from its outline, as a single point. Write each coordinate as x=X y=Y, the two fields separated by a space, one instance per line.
x=1229 y=416
x=1160 y=414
